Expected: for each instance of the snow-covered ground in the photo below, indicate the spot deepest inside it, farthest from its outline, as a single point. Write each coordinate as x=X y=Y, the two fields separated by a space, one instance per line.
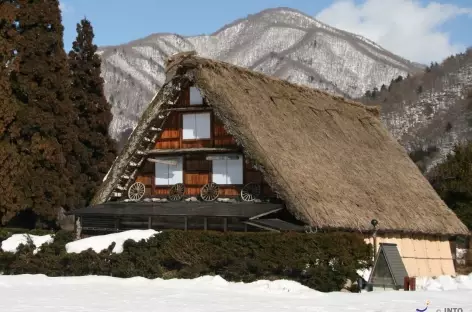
x=25 y=293
x=31 y=293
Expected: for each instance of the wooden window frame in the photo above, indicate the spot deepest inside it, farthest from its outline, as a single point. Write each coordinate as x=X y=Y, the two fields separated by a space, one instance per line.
x=243 y=169
x=195 y=140
x=181 y=159
x=190 y=97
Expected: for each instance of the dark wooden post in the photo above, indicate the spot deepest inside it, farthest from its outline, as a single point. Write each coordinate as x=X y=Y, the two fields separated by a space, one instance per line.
x=468 y=255
x=453 y=246
x=406 y=283
x=413 y=283
x=149 y=222
x=205 y=223
x=225 y=224
x=153 y=185
x=186 y=223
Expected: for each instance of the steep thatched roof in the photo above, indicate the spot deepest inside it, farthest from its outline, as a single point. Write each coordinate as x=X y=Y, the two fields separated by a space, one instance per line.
x=330 y=159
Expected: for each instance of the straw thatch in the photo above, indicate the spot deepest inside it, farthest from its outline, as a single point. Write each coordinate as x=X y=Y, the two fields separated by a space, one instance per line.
x=330 y=159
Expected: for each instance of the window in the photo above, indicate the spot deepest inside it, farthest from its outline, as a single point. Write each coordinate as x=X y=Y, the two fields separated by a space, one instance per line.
x=169 y=171
x=196 y=126
x=227 y=169
x=195 y=96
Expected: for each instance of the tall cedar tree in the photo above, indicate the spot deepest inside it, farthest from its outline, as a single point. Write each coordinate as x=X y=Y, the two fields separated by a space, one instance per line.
x=98 y=149
x=44 y=132
x=10 y=162
x=452 y=179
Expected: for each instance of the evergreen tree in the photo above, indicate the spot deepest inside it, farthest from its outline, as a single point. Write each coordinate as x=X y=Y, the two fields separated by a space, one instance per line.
x=10 y=162
x=7 y=42
x=452 y=179
x=98 y=150
x=43 y=133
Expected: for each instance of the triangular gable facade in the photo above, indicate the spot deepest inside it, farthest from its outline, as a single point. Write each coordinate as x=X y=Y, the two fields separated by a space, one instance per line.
x=194 y=149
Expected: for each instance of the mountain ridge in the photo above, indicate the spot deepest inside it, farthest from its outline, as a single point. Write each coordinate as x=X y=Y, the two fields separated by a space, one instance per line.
x=280 y=42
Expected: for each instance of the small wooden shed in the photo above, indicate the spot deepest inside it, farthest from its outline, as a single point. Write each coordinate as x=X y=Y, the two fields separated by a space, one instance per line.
x=389 y=270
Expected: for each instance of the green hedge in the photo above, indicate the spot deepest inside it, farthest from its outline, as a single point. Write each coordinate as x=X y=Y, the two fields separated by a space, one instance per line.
x=323 y=261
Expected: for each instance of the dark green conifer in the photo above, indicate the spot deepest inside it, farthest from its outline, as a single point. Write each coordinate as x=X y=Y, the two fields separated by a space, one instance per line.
x=10 y=163
x=43 y=134
x=97 y=150
x=8 y=35
x=452 y=179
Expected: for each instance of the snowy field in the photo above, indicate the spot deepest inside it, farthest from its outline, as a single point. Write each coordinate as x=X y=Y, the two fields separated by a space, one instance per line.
x=32 y=293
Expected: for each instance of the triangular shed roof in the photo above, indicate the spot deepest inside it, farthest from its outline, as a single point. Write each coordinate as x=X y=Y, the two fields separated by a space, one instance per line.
x=389 y=262
x=331 y=160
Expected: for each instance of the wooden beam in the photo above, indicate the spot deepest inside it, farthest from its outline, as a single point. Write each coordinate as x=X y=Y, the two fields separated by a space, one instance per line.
x=186 y=223
x=205 y=223
x=192 y=150
x=149 y=222
x=163 y=161
x=265 y=214
x=189 y=109
x=262 y=227
x=161 y=225
x=225 y=224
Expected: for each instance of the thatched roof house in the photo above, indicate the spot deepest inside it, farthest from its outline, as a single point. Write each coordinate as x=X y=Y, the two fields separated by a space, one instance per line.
x=330 y=159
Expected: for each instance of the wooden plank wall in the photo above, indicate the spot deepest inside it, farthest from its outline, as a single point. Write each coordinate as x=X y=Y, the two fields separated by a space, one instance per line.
x=197 y=170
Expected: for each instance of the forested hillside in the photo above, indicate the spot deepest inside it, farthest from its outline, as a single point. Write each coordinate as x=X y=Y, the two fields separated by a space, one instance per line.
x=429 y=112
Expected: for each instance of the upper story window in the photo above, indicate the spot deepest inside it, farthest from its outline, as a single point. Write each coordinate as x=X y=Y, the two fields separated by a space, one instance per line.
x=227 y=169
x=169 y=171
x=195 y=96
x=196 y=126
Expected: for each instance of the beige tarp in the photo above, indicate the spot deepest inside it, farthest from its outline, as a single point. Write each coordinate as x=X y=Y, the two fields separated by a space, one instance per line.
x=422 y=255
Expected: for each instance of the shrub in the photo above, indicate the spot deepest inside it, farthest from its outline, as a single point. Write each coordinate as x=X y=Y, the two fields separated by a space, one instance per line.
x=323 y=261
x=7 y=232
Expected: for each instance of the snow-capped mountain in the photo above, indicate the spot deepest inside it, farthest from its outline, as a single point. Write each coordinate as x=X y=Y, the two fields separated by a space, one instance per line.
x=281 y=42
